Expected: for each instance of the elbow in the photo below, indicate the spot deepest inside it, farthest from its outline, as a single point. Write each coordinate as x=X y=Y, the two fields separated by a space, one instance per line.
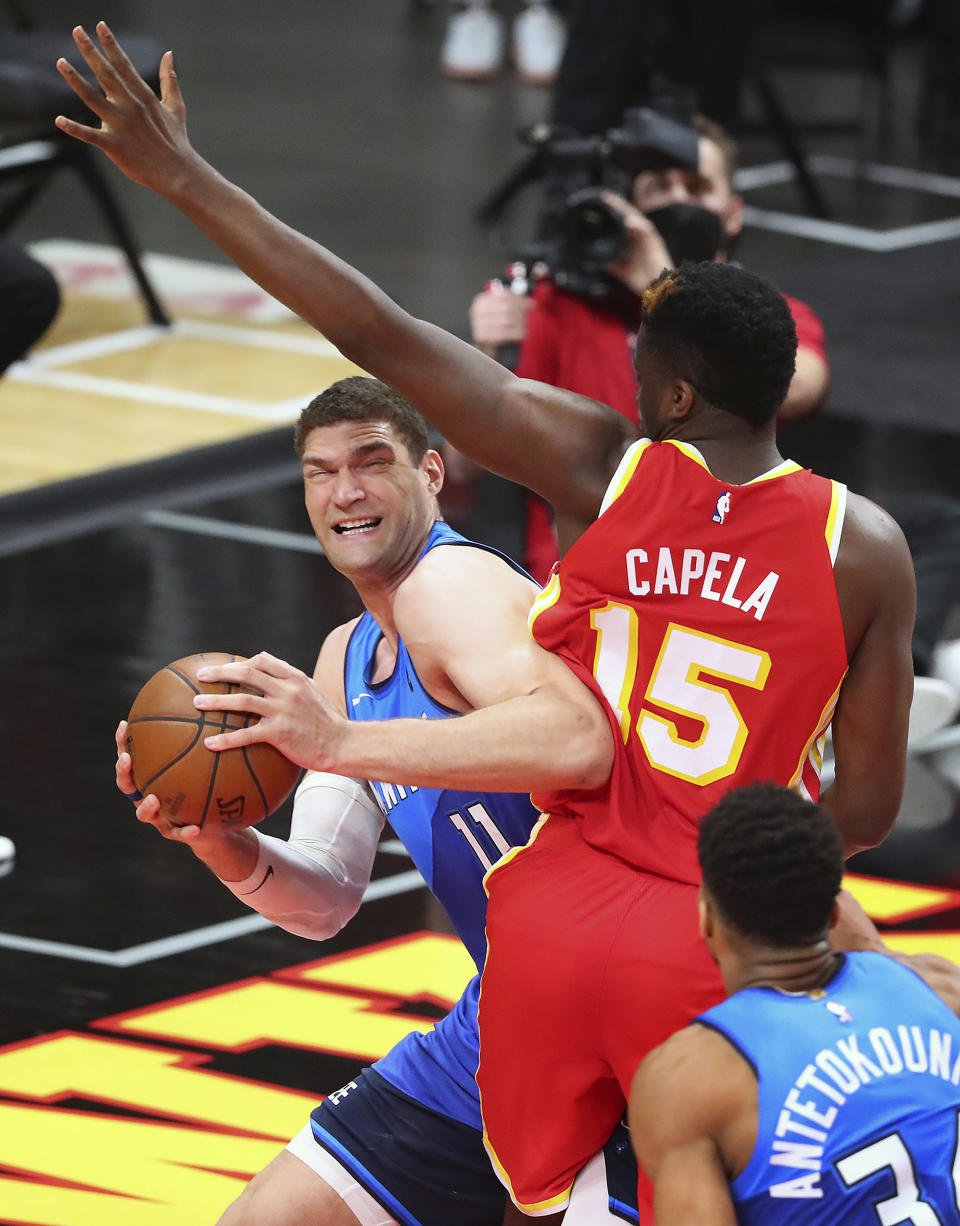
x=864 y=837
x=317 y=925
x=591 y=760
x=863 y=829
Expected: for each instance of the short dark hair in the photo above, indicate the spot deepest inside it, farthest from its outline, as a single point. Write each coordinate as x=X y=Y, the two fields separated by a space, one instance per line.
x=728 y=332
x=773 y=863
x=361 y=398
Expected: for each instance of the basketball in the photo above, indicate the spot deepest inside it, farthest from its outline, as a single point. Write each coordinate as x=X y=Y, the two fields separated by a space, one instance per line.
x=165 y=734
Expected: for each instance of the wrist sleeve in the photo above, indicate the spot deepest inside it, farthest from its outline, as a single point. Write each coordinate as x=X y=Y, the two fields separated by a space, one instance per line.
x=313 y=883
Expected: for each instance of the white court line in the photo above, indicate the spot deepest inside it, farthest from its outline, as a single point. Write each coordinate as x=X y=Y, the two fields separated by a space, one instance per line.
x=98 y=346
x=768 y=174
x=316 y=346
x=747 y=178
x=27 y=372
x=150 y=951
x=155 y=334
x=203 y=525
x=42 y=367
x=888 y=176
x=839 y=233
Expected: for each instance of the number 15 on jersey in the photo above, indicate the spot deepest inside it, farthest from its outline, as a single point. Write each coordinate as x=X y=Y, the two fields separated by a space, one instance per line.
x=677 y=684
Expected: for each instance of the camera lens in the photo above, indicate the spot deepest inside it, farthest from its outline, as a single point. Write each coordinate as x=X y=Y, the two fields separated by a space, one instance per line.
x=594 y=233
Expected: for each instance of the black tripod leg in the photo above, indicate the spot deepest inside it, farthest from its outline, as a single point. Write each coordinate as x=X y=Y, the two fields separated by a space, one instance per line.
x=816 y=204
x=95 y=180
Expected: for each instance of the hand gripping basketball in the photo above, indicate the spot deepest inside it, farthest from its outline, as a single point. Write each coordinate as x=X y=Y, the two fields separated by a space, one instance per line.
x=295 y=716
x=165 y=739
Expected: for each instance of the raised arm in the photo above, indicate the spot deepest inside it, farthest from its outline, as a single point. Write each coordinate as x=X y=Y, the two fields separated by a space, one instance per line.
x=563 y=446
x=877 y=590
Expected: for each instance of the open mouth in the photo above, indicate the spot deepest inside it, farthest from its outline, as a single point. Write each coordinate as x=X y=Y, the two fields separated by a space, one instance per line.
x=353 y=527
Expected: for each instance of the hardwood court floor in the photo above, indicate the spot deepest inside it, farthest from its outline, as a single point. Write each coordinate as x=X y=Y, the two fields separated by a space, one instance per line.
x=104 y=389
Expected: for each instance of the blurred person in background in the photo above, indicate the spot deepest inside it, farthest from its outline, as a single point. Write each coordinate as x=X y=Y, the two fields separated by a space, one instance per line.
x=584 y=343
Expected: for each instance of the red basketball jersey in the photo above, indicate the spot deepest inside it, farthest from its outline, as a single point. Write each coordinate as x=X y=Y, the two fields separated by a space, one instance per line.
x=706 y=615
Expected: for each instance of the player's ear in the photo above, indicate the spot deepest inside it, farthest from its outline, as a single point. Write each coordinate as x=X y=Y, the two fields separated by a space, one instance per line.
x=834 y=916
x=682 y=395
x=432 y=466
x=704 y=915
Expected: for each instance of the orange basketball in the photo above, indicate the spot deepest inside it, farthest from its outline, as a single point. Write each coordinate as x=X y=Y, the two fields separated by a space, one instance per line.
x=165 y=734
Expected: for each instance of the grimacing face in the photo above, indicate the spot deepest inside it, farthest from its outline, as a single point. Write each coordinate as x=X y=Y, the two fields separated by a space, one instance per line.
x=370 y=506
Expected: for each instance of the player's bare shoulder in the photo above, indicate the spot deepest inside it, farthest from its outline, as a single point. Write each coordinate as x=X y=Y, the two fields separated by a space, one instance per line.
x=328 y=672
x=462 y=607
x=454 y=579
x=869 y=529
x=696 y=1084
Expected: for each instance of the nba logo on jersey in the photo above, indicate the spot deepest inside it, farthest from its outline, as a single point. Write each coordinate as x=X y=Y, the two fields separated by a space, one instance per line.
x=722 y=507
x=841 y=1012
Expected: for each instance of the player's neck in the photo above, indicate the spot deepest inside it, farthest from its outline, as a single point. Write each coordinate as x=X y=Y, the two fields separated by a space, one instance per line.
x=804 y=969
x=738 y=460
x=732 y=450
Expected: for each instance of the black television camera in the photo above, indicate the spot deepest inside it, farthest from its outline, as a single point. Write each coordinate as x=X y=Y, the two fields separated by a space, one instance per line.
x=579 y=233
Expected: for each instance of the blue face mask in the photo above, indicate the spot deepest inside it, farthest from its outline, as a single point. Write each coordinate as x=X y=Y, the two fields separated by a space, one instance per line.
x=690 y=231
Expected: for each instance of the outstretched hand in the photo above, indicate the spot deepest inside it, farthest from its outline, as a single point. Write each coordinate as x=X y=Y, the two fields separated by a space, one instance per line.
x=295 y=717
x=144 y=135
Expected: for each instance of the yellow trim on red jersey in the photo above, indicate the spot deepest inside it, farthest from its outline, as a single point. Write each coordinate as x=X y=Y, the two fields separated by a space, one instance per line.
x=548 y=596
x=541 y=1207
x=691 y=452
x=782 y=470
x=625 y=470
x=834 y=525
x=509 y=855
x=826 y=715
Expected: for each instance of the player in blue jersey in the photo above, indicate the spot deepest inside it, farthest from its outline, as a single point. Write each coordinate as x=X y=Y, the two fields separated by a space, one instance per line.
x=825 y=1088
x=444 y=630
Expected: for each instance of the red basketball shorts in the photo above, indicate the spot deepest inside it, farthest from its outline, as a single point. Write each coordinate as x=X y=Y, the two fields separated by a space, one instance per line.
x=590 y=964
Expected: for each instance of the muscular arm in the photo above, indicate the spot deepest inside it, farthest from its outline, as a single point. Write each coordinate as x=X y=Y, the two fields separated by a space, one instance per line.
x=692 y=1107
x=529 y=724
x=563 y=446
x=877 y=590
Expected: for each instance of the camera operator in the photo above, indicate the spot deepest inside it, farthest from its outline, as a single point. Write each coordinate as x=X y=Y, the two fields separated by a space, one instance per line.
x=584 y=342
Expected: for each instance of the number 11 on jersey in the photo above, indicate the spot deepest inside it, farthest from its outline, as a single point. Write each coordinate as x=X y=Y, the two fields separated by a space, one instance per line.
x=483 y=819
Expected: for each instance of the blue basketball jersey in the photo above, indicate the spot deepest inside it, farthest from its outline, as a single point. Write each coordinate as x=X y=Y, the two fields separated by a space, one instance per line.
x=453 y=838
x=858 y=1100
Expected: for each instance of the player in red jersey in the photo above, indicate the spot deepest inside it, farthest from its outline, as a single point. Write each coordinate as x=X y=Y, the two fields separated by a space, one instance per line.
x=598 y=915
